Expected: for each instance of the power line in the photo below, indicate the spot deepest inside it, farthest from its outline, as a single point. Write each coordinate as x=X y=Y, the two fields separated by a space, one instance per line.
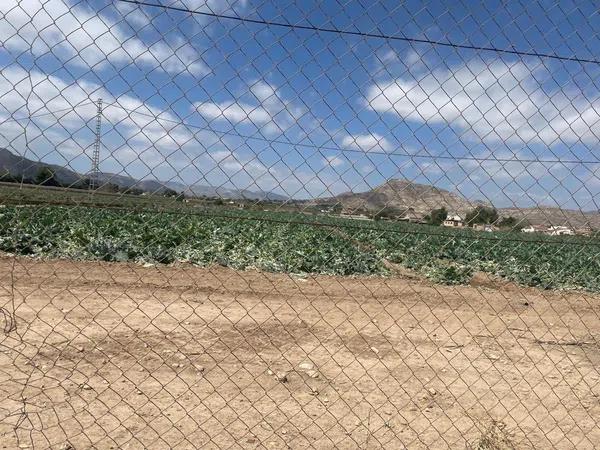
x=364 y=34
x=49 y=113
x=315 y=146
x=351 y=150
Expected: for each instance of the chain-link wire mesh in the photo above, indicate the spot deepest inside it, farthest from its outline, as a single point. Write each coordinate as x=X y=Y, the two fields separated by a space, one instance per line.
x=299 y=224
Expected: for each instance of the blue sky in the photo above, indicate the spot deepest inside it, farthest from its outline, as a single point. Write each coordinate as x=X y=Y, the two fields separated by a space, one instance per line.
x=202 y=100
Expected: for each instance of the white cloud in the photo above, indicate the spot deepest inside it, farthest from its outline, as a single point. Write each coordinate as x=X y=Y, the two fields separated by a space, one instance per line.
x=229 y=161
x=244 y=171
x=133 y=14
x=130 y=124
x=495 y=100
x=270 y=111
x=215 y=6
x=234 y=112
x=242 y=168
x=334 y=161
x=366 y=169
x=139 y=16
x=388 y=56
x=367 y=142
x=412 y=57
x=139 y=139
x=79 y=35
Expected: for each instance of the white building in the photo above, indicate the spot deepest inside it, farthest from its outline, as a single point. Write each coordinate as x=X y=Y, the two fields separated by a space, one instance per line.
x=454 y=221
x=560 y=230
x=488 y=228
x=354 y=216
x=534 y=229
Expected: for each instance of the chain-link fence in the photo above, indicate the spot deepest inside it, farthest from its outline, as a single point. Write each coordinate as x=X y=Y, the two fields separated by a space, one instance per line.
x=306 y=224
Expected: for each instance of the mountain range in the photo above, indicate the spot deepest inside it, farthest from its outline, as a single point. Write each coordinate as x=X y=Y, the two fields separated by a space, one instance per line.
x=397 y=194
x=18 y=166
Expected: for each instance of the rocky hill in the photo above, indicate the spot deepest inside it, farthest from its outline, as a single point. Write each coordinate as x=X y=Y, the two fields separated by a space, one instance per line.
x=545 y=215
x=420 y=199
x=400 y=195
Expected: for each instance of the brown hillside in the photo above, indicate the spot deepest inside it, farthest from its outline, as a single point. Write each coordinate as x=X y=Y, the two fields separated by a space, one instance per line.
x=544 y=215
x=401 y=195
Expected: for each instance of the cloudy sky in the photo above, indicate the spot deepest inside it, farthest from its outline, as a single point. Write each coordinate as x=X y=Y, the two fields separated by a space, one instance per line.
x=205 y=100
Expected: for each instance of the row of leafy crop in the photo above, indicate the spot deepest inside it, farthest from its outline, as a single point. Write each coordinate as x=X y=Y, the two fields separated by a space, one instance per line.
x=452 y=256
x=265 y=241
x=112 y=235
x=547 y=262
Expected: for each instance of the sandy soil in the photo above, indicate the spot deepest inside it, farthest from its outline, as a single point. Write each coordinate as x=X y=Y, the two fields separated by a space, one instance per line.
x=122 y=356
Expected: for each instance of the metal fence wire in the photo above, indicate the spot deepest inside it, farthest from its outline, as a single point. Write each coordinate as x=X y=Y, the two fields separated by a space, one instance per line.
x=311 y=224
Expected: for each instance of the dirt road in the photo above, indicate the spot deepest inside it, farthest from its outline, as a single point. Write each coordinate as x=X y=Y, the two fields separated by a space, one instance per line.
x=109 y=355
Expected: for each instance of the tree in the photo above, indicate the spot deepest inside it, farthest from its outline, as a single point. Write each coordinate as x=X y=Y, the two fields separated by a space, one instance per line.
x=388 y=212
x=337 y=208
x=134 y=191
x=437 y=216
x=482 y=215
x=507 y=222
x=168 y=192
x=171 y=193
x=7 y=177
x=110 y=187
x=512 y=223
x=84 y=183
x=45 y=177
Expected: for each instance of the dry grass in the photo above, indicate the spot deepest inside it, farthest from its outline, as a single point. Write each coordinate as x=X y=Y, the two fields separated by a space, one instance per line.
x=496 y=437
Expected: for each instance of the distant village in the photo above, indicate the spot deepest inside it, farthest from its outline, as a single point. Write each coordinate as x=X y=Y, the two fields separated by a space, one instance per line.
x=480 y=218
x=489 y=223
x=456 y=221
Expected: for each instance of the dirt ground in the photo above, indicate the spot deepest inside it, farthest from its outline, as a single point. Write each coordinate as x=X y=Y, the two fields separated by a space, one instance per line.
x=111 y=355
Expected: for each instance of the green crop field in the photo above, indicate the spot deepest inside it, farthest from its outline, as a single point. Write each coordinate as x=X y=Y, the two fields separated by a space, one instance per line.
x=309 y=244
